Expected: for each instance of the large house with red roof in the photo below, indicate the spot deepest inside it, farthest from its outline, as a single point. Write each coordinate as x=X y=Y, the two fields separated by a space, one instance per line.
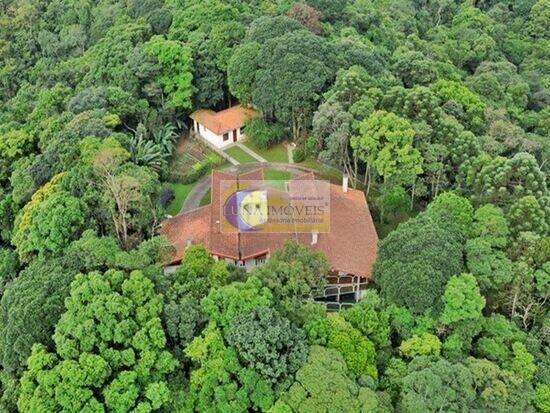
x=350 y=244
x=222 y=128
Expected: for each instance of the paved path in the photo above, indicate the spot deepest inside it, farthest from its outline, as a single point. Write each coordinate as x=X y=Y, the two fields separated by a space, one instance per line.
x=198 y=192
x=196 y=195
x=251 y=152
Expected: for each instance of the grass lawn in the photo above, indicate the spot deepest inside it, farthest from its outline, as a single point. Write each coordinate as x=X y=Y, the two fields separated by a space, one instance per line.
x=279 y=176
x=276 y=153
x=180 y=191
x=273 y=175
x=224 y=165
x=206 y=198
x=239 y=155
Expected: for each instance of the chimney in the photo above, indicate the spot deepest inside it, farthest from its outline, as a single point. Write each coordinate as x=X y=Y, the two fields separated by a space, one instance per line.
x=345 y=180
x=189 y=242
x=314 y=237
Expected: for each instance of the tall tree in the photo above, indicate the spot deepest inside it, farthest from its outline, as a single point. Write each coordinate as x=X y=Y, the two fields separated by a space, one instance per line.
x=109 y=350
x=293 y=71
x=176 y=62
x=385 y=144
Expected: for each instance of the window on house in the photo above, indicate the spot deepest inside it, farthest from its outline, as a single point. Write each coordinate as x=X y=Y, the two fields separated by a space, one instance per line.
x=242 y=130
x=225 y=136
x=260 y=260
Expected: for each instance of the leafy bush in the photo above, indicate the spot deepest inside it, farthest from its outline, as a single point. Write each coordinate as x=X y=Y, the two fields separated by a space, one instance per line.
x=167 y=195
x=299 y=154
x=262 y=134
x=201 y=168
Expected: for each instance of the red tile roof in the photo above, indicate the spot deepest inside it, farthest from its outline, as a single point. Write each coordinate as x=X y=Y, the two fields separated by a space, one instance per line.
x=193 y=226
x=350 y=245
x=225 y=120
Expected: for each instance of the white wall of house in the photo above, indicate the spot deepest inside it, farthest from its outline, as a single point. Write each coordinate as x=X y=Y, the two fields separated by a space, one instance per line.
x=249 y=264
x=215 y=139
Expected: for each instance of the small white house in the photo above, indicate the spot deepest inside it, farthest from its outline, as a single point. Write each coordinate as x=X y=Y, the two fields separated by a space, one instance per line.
x=222 y=128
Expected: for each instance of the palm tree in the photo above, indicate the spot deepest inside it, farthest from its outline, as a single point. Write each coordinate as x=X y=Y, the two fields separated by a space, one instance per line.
x=166 y=138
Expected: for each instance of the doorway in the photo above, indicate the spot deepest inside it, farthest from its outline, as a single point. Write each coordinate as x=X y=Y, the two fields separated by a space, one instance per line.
x=234 y=135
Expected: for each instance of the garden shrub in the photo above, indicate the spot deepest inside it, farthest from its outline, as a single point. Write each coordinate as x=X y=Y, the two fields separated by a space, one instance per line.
x=263 y=134
x=299 y=155
x=201 y=168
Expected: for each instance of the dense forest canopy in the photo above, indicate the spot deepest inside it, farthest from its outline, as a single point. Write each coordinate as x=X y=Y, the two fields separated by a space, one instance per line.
x=438 y=110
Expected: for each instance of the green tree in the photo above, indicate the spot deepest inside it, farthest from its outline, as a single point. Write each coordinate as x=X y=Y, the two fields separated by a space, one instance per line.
x=433 y=386
x=334 y=332
x=461 y=315
x=385 y=143
x=324 y=384
x=497 y=338
x=49 y=225
x=223 y=304
x=423 y=345
x=538 y=18
x=218 y=382
x=453 y=212
x=14 y=144
x=129 y=195
x=268 y=343
x=457 y=95
x=413 y=68
x=491 y=267
x=392 y=199
x=522 y=363
x=415 y=262
x=501 y=181
x=241 y=71
x=498 y=389
x=265 y=28
x=29 y=310
x=293 y=70
x=290 y=274
x=470 y=42
x=491 y=226
x=9 y=265
x=370 y=317
x=183 y=290
x=527 y=214
x=262 y=134
x=462 y=300
x=177 y=64
x=56 y=221
x=542 y=397
x=350 y=86
x=109 y=350
x=331 y=135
